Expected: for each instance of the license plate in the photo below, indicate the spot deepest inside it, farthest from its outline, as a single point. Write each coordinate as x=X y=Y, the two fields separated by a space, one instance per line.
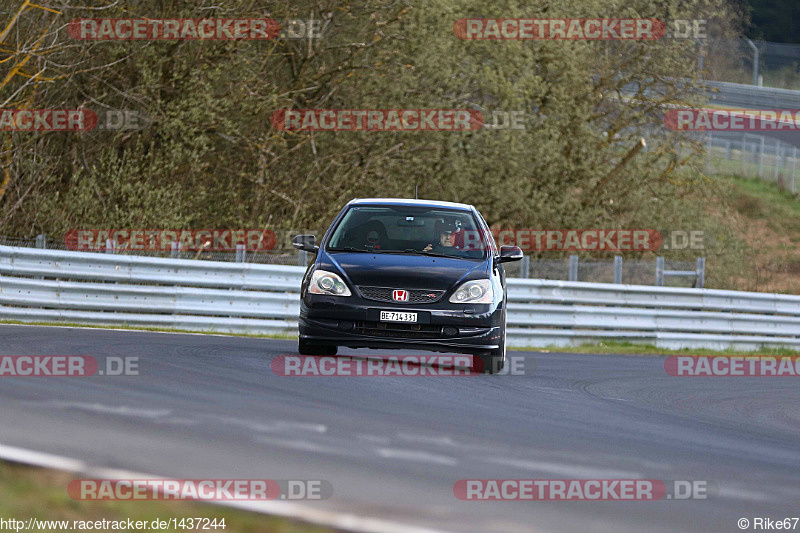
x=394 y=316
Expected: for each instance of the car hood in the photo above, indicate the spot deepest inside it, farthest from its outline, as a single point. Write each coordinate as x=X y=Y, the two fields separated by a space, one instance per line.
x=404 y=271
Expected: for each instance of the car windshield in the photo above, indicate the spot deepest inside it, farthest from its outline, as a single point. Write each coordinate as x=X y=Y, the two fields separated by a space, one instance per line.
x=409 y=230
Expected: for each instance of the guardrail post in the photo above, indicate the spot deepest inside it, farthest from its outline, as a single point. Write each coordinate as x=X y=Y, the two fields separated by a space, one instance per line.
x=755 y=61
x=794 y=166
x=525 y=267
x=41 y=242
x=241 y=254
x=701 y=272
x=617 y=269
x=111 y=246
x=761 y=157
x=174 y=249
x=302 y=258
x=573 y=268
x=659 y=271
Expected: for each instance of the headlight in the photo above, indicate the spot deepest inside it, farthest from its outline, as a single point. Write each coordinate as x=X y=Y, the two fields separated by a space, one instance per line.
x=474 y=292
x=323 y=282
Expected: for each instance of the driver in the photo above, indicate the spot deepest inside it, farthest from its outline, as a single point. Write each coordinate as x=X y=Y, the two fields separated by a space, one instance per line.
x=446 y=240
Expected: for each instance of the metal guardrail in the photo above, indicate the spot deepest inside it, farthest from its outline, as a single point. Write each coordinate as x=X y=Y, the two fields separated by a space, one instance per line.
x=101 y=289
x=741 y=96
x=85 y=266
x=106 y=289
x=568 y=313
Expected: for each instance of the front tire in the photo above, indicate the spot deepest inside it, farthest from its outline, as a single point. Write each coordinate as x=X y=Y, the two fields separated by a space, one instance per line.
x=304 y=348
x=496 y=360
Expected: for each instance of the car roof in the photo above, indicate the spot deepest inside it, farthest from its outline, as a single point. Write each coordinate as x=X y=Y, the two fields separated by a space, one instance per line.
x=410 y=202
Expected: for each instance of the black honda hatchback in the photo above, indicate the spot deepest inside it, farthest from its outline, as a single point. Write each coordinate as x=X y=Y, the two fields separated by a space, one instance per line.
x=406 y=274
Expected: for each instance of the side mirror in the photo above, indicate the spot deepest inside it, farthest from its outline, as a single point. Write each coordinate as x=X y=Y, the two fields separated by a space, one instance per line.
x=509 y=253
x=306 y=242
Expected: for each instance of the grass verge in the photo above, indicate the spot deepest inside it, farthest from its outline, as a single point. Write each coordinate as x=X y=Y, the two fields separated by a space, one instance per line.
x=146 y=328
x=629 y=348
x=40 y=493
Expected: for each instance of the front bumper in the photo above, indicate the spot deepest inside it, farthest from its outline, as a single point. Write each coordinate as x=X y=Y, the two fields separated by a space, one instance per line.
x=441 y=327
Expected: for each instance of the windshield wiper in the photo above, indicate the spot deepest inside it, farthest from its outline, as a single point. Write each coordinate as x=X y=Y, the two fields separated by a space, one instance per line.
x=412 y=251
x=350 y=249
x=432 y=254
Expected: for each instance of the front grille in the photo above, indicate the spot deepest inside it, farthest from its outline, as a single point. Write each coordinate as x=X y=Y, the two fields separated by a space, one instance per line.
x=415 y=296
x=398 y=330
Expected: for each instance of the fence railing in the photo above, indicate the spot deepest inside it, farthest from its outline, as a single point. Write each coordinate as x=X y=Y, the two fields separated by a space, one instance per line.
x=757 y=63
x=104 y=289
x=755 y=156
x=616 y=270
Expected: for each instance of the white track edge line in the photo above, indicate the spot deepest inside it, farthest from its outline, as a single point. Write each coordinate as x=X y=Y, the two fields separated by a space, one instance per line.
x=332 y=519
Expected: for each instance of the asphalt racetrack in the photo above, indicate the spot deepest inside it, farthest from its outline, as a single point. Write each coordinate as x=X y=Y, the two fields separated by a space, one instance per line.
x=210 y=407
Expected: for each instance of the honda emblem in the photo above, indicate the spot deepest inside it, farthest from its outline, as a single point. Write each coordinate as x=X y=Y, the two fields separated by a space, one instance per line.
x=400 y=296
